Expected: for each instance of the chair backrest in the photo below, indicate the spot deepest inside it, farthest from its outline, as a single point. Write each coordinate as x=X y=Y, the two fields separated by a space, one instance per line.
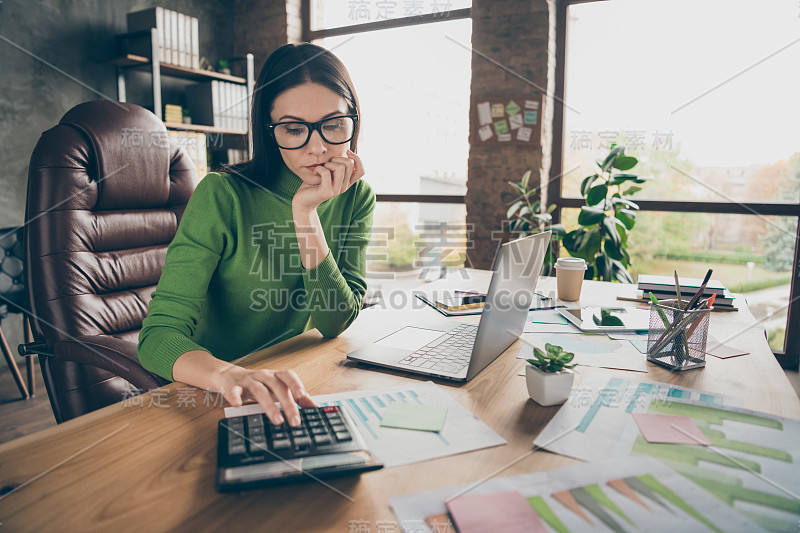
x=106 y=191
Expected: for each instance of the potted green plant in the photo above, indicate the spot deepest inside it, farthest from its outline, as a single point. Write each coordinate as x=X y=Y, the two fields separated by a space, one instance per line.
x=526 y=217
x=549 y=376
x=607 y=218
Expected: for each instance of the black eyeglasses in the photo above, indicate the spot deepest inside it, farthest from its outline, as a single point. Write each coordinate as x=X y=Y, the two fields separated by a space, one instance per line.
x=295 y=135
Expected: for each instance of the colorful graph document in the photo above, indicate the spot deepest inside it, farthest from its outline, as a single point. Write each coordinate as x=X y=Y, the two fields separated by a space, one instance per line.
x=589 y=350
x=621 y=495
x=596 y=423
x=752 y=463
x=461 y=431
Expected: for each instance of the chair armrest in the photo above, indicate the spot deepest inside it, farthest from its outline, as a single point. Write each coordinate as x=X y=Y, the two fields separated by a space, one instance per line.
x=109 y=353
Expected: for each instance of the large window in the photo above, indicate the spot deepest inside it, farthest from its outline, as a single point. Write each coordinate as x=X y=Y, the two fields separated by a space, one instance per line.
x=411 y=66
x=413 y=86
x=703 y=94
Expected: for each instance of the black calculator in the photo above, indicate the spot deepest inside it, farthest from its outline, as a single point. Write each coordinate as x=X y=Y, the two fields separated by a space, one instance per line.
x=253 y=452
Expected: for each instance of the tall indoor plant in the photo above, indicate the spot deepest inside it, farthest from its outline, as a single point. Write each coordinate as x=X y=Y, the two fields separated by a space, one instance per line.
x=526 y=217
x=607 y=218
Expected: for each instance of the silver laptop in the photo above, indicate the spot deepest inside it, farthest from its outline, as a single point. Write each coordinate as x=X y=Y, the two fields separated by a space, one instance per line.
x=460 y=353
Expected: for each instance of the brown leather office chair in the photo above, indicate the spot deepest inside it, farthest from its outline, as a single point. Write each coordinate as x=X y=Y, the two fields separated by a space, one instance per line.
x=106 y=190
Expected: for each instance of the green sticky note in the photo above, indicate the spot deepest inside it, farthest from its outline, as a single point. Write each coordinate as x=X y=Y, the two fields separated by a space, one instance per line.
x=500 y=127
x=413 y=416
x=530 y=117
x=512 y=108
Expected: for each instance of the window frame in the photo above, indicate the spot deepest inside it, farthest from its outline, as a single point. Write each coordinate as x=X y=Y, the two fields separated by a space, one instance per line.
x=309 y=35
x=790 y=357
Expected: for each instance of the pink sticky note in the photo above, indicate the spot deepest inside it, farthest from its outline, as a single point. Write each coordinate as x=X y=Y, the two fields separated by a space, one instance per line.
x=669 y=429
x=509 y=512
x=723 y=352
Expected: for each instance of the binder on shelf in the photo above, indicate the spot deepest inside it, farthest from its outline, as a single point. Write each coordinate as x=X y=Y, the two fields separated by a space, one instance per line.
x=181 y=37
x=195 y=43
x=142 y=21
x=167 y=38
x=187 y=41
x=187 y=27
x=225 y=91
x=242 y=107
x=173 y=21
x=208 y=104
x=228 y=106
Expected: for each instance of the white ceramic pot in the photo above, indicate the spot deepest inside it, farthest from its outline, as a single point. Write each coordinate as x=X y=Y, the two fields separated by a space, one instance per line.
x=546 y=388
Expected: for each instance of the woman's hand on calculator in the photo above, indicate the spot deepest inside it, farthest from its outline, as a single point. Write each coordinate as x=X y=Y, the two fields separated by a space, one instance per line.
x=267 y=387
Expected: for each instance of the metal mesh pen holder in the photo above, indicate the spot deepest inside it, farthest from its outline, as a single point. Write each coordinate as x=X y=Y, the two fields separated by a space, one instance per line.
x=677 y=338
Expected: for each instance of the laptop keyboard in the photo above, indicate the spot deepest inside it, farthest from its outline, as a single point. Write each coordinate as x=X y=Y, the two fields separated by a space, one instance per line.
x=449 y=355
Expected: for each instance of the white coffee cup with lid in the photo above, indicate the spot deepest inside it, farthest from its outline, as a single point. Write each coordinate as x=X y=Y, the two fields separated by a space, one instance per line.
x=569 y=277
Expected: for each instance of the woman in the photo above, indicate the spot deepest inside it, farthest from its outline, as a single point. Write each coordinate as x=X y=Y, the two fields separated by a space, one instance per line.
x=271 y=248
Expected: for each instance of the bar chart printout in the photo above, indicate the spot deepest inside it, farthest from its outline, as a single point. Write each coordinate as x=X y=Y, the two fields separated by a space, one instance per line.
x=752 y=462
x=461 y=431
x=618 y=495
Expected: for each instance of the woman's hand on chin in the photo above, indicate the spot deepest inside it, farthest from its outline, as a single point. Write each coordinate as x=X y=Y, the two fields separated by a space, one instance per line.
x=336 y=177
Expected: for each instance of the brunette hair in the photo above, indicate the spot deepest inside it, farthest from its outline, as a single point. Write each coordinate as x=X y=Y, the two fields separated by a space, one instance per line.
x=287 y=67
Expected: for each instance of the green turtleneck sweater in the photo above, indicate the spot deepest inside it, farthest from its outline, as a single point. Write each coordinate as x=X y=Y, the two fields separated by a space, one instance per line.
x=233 y=282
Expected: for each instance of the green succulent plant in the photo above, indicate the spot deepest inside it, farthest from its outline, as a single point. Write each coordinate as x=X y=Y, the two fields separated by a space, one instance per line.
x=553 y=359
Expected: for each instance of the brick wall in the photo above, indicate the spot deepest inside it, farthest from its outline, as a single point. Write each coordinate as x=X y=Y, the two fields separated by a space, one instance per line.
x=262 y=27
x=511 y=40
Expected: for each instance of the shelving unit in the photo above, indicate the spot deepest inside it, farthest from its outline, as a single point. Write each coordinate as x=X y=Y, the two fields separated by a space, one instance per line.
x=128 y=62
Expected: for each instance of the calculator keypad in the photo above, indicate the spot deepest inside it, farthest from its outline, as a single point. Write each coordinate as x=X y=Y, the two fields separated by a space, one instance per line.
x=322 y=429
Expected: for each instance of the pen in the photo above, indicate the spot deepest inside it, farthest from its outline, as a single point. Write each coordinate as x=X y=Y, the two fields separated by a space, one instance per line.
x=696 y=298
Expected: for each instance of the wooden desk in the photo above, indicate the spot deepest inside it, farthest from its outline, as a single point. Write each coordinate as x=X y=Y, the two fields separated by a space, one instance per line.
x=152 y=468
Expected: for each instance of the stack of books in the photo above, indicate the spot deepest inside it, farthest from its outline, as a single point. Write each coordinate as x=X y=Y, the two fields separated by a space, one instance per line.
x=663 y=288
x=173 y=113
x=178 y=36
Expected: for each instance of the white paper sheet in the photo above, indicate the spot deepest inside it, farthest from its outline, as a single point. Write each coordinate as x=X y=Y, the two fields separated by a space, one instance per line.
x=484 y=113
x=589 y=350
